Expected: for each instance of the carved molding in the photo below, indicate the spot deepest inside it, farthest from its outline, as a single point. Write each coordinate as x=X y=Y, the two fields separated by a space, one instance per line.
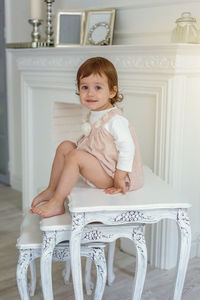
x=28 y=255
x=133 y=216
x=78 y=221
x=183 y=221
x=153 y=58
x=49 y=239
x=96 y=235
x=124 y=62
x=50 y=62
x=61 y=254
x=139 y=240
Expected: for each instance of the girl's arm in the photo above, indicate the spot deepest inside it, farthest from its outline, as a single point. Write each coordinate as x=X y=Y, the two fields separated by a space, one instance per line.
x=119 y=183
x=118 y=127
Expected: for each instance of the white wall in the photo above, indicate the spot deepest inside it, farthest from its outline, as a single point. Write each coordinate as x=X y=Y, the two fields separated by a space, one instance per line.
x=191 y=154
x=139 y=21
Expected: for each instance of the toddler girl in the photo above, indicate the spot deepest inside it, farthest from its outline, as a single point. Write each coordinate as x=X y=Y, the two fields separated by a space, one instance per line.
x=106 y=155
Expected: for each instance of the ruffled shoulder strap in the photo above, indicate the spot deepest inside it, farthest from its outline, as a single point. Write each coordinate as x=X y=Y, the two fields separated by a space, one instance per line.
x=108 y=116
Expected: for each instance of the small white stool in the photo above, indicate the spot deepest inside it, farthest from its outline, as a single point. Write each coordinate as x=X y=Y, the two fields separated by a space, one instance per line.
x=29 y=245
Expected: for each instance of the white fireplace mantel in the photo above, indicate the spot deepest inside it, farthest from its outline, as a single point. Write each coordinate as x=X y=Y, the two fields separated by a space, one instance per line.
x=170 y=58
x=161 y=85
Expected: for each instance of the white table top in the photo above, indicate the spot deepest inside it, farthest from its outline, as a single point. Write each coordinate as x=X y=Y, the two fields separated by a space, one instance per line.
x=60 y=222
x=156 y=194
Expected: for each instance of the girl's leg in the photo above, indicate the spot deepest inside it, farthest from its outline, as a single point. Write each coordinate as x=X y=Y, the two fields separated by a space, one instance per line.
x=77 y=162
x=61 y=153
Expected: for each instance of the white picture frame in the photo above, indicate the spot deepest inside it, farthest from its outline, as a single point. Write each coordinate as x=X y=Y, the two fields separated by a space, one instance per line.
x=69 y=28
x=99 y=26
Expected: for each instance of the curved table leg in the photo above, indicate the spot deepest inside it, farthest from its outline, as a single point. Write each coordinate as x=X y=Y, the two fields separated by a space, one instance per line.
x=89 y=285
x=98 y=257
x=33 y=279
x=66 y=272
x=26 y=257
x=49 y=242
x=184 y=251
x=75 y=241
x=22 y=267
x=110 y=261
x=141 y=263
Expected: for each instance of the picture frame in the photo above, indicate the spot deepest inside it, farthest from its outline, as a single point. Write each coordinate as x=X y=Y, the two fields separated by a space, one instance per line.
x=99 y=26
x=69 y=28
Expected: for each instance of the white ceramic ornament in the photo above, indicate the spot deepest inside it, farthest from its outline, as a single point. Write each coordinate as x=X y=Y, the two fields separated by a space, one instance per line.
x=86 y=128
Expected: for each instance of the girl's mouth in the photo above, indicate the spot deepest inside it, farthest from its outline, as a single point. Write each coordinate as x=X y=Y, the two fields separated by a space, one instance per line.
x=91 y=101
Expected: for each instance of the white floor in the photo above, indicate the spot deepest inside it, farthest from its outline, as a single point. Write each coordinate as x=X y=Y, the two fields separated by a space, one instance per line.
x=158 y=284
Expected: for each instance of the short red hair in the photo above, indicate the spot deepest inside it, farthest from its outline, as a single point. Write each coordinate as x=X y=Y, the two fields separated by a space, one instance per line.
x=100 y=65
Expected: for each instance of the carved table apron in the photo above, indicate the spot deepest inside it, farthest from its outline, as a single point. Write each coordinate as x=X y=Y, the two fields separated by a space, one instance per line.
x=142 y=216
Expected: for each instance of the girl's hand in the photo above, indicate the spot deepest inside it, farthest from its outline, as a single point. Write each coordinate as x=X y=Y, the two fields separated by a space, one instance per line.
x=119 y=183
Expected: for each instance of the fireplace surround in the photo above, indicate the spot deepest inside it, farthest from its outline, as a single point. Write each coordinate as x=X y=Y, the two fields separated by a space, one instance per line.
x=157 y=81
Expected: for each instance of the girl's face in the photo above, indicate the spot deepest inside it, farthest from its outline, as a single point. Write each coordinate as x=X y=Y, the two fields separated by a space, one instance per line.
x=95 y=93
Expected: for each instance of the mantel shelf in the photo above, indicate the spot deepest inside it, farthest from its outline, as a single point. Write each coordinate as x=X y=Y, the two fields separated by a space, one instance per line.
x=166 y=48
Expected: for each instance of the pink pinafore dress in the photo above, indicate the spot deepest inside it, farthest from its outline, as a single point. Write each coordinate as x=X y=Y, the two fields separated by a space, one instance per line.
x=100 y=143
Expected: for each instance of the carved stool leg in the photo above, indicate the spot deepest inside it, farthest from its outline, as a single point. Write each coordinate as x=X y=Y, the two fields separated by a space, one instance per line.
x=66 y=272
x=110 y=261
x=141 y=263
x=77 y=228
x=98 y=257
x=61 y=253
x=22 y=267
x=49 y=242
x=33 y=279
x=26 y=257
x=89 y=285
x=184 y=252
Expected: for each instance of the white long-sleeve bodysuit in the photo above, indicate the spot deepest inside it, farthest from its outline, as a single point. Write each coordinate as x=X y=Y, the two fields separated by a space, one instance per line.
x=118 y=127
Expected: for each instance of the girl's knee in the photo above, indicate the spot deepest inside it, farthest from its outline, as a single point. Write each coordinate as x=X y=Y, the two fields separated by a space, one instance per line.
x=75 y=154
x=66 y=147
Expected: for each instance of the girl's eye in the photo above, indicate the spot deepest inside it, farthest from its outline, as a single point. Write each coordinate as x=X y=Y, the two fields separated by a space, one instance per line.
x=84 y=87
x=98 y=87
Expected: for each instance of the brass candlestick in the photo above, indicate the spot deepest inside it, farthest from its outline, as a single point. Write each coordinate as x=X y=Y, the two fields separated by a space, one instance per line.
x=35 y=34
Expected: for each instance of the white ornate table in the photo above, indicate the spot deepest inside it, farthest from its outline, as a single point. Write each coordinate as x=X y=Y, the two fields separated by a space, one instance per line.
x=154 y=202
x=58 y=229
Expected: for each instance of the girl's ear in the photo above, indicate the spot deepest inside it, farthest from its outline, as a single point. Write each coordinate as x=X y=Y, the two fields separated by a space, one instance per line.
x=113 y=92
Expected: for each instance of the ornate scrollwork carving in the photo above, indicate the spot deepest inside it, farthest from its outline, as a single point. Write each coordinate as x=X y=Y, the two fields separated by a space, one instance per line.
x=25 y=256
x=132 y=216
x=28 y=255
x=49 y=242
x=138 y=238
x=149 y=62
x=78 y=220
x=61 y=254
x=98 y=256
x=95 y=235
x=183 y=221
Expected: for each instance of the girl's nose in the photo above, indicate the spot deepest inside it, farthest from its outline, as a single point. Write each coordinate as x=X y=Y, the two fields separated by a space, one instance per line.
x=90 y=92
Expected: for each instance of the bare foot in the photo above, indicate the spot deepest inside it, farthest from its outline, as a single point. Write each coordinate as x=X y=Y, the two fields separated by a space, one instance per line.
x=49 y=209
x=46 y=195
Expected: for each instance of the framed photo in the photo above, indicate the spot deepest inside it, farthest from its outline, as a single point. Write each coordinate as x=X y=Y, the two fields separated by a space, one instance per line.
x=99 y=27
x=69 y=28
